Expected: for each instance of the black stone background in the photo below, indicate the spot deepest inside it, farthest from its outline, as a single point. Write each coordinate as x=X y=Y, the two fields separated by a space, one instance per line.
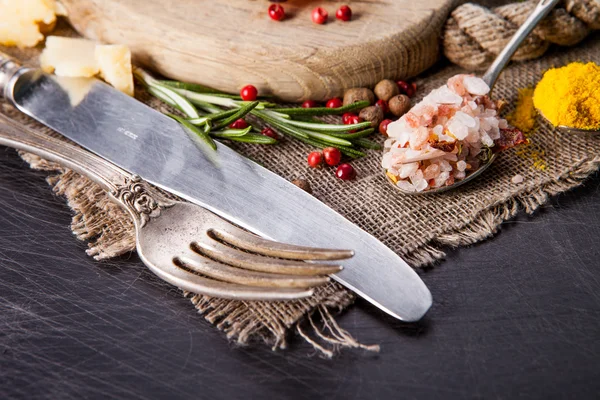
x=517 y=316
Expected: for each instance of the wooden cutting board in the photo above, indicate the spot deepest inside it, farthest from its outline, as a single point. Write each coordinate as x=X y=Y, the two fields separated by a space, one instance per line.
x=227 y=44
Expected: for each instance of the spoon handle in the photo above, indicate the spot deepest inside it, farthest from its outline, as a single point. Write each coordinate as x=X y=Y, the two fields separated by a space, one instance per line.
x=540 y=11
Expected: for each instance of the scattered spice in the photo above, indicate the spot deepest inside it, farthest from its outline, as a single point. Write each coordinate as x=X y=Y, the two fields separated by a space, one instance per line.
x=319 y=15
x=332 y=156
x=303 y=184
x=344 y=13
x=399 y=105
x=268 y=131
x=406 y=88
x=354 y=95
x=276 y=12
x=569 y=95
x=373 y=114
x=523 y=117
x=517 y=179
x=386 y=89
x=383 y=105
x=315 y=159
x=345 y=172
x=239 y=124
x=347 y=117
x=249 y=93
x=310 y=104
x=383 y=126
x=333 y=103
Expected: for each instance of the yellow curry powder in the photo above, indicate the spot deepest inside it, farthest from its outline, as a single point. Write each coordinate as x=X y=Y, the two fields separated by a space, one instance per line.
x=523 y=117
x=570 y=95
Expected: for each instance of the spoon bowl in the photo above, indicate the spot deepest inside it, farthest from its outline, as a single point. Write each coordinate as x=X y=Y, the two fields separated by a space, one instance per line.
x=570 y=129
x=490 y=77
x=442 y=189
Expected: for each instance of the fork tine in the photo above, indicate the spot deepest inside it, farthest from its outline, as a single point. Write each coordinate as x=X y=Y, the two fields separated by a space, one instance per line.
x=248 y=241
x=231 y=256
x=226 y=273
x=197 y=284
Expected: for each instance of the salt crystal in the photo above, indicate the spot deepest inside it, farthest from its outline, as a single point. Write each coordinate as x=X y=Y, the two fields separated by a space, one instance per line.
x=445 y=166
x=432 y=171
x=476 y=86
x=461 y=165
x=407 y=170
x=406 y=186
x=517 y=179
x=444 y=95
x=458 y=129
x=438 y=129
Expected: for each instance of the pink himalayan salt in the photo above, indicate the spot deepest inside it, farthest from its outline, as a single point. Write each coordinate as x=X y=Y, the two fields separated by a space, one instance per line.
x=440 y=139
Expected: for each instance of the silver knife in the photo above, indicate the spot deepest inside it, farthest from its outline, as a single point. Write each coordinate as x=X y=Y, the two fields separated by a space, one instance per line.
x=145 y=142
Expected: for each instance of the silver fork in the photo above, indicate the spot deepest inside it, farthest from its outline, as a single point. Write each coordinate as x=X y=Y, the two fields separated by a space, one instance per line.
x=185 y=244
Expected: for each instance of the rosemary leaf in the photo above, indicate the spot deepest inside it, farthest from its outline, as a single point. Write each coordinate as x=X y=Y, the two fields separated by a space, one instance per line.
x=229 y=133
x=316 y=111
x=355 y=135
x=329 y=139
x=200 y=134
x=204 y=142
x=237 y=115
x=252 y=138
x=206 y=98
x=367 y=144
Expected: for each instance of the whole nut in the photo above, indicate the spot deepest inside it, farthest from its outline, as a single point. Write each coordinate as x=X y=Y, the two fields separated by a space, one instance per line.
x=399 y=105
x=386 y=89
x=373 y=114
x=358 y=94
x=303 y=184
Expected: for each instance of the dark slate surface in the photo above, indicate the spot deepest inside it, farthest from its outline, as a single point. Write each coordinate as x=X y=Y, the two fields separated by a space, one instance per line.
x=515 y=317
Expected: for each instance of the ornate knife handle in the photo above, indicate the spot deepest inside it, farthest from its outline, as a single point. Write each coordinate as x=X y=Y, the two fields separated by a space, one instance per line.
x=137 y=196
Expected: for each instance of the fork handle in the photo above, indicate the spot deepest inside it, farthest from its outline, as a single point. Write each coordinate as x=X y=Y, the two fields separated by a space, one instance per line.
x=105 y=174
x=140 y=199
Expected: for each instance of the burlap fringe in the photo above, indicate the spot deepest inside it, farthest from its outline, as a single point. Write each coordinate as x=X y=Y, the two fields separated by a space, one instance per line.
x=474 y=35
x=487 y=223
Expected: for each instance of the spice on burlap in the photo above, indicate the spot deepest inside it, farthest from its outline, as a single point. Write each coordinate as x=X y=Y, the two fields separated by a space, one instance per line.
x=474 y=35
x=570 y=95
x=523 y=116
x=456 y=218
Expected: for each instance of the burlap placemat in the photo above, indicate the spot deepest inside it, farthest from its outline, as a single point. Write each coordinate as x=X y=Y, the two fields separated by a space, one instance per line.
x=417 y=228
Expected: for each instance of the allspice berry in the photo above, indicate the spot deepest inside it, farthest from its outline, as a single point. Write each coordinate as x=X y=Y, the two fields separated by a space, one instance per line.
x=303 y=184
x=399 y=105
x=373 y=114
x=358 y=94
x=386 y=89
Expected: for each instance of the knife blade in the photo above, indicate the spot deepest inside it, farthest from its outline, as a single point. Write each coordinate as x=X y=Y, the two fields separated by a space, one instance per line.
x=145 y=142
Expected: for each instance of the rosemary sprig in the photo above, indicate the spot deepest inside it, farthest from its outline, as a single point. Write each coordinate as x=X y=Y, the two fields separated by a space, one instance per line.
x=218 y=110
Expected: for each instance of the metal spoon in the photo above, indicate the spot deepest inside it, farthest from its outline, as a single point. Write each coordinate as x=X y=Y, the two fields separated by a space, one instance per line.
x=571 y=130
x=490 y=77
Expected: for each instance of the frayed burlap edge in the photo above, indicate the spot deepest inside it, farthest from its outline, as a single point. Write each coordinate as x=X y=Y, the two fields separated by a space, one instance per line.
x=99 y=221
x=487 y=223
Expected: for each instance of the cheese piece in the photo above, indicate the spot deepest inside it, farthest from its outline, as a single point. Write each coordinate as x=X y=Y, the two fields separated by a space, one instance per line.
x=76 y=88
x=115 y=66
x=69 y=57
x=22 y=20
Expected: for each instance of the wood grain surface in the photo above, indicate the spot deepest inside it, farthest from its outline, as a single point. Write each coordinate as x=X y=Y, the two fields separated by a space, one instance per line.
x=230 y=43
